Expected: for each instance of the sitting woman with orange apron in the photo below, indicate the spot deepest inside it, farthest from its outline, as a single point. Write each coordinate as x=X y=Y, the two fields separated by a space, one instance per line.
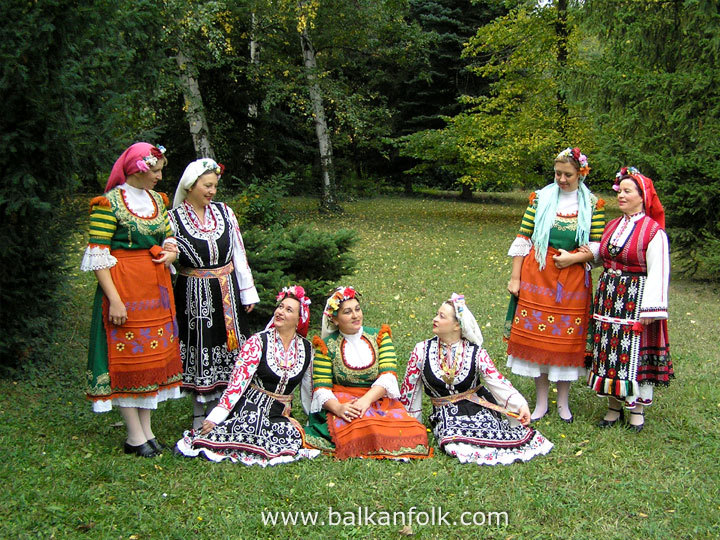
x=355 y=410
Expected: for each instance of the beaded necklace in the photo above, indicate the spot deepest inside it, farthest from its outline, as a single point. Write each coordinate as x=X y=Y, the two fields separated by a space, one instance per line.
x=448 y=361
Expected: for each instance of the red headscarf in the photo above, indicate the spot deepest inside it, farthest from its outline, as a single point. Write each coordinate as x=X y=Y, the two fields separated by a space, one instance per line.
x=297 y=292
x=653 y=207
x=133 y=160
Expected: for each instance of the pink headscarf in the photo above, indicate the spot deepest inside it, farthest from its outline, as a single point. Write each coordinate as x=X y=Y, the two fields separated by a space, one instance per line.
x=653 y=207
x=137 y=158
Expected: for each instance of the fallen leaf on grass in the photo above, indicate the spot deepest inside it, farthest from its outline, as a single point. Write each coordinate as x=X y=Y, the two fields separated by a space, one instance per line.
x=406 y=531
x=578 y=453
x=642 y=515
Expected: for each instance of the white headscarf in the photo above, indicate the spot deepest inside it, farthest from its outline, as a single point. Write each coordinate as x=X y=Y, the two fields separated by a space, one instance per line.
x=192 y=172
x=468 y=325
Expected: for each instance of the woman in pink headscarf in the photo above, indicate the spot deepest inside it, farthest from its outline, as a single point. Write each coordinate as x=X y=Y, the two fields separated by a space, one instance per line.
x=631 y=353
x=133 y=357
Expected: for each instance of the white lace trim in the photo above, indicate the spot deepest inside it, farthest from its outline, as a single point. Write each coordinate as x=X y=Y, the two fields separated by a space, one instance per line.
x=320 y=397
x=525 y=368
x=97 y=258
x=520 y=247
x=483 y=455
x=246 y=458
x=149 y=402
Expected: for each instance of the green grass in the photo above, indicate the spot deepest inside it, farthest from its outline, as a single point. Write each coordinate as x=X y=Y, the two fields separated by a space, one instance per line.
x=65 y=475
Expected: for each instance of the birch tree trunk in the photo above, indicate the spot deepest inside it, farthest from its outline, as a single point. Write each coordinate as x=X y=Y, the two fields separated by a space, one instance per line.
x=194 y=108
x=253 y=106
x=328 y=201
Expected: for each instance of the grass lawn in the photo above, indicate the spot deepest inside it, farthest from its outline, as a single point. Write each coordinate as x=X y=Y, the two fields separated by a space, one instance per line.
x=66 y=476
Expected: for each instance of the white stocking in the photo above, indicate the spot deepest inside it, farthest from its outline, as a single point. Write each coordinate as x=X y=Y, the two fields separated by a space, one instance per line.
x=542 y=387
x=144 y=415
x=563 y=399
x=135 y=434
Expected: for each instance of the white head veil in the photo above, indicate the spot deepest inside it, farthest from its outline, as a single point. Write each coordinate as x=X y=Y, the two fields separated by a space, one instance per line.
x=192 y=172
x=468 y=325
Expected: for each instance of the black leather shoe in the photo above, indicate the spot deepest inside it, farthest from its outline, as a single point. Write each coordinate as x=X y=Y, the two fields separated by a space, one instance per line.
x=567 y=420
x=609 y=423
x=637 y=428
x=155 y=445
x=141 y=450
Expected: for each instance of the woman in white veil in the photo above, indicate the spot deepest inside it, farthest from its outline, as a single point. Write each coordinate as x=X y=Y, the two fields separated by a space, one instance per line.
x=478 y=416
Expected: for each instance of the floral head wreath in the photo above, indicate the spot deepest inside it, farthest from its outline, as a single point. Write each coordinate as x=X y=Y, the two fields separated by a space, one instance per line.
x=339 y=296
x=580 y=158
x=149 y=161
x=297 y=292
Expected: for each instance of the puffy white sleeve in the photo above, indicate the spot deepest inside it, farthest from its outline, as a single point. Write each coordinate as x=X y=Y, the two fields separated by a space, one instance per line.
x=388 y=381
x=97 y=258
x=411 y=390
x=502 y=389
x=319 y=398
x=520 y=247
x=248 y=293
x=655 y=295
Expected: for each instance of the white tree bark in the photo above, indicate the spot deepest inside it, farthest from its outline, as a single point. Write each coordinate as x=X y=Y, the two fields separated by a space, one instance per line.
x=195 y=110
x=329 y=198
x=253 y=106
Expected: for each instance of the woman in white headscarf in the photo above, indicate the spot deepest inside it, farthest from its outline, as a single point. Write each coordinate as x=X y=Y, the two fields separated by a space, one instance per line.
x=214 y=289
x=478 y=416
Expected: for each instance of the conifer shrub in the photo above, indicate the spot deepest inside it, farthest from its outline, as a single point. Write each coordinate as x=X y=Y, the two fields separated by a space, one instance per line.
x=280 y=256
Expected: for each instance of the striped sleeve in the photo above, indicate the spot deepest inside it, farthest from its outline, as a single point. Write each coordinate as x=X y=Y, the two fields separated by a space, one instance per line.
x=597 y=224
x=102 y=222
x=527 y=225
x=322 y=366
x=387 y=360
x=168 y=229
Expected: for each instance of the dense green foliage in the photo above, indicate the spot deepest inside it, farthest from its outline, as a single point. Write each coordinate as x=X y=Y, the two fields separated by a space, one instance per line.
x=630 y=82
x=280 y=257
x=654 y=102
x=70 y=89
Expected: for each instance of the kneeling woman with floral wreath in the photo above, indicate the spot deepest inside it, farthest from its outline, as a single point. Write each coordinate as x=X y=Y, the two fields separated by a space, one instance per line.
x=252 y=422
x=355 y=411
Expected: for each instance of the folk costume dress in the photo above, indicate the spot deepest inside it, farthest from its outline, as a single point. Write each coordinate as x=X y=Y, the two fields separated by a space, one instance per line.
x=454 y=377
x=214 y=282
x=346 y=366
x=630 y=359
x=136 y=364
x=254 y=426
x=547 y=323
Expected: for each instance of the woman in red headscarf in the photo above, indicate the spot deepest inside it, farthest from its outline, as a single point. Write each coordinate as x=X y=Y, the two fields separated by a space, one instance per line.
x=252 y=424
x=133 y=357
x=631 y=353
